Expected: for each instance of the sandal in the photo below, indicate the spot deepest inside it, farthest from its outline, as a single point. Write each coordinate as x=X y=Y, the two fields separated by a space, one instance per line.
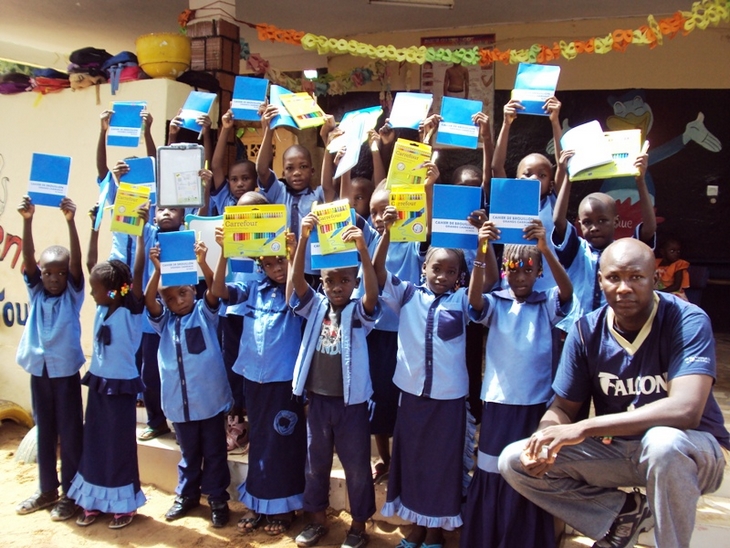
x=237 y=436
x=251 y=523
x=276 y=526
x=405 y=544
x=87 y=518
x=150 y=433
x=121 y=520
x=381 y=473
x=37 y=502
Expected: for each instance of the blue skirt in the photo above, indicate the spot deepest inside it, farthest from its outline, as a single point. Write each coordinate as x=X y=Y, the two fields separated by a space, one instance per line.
x=427 y=467
x=108 y=476
x=277 y=450
x=495 y=515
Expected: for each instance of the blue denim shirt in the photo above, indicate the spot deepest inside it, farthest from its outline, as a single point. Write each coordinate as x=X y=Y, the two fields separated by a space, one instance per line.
x=52 y=334
x=355 y=325
x=116 y=340
x=519 y=365
x=431 y=339
x=193 y=376
x=272 y=333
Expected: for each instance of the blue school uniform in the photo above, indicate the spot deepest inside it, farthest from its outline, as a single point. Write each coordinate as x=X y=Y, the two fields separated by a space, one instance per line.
x=108 y=476
x=50 y=350
x=298 y=204
x=220 y=199
x=195 y=396
x=431 y=372
x=355 y=326
x=516 y=389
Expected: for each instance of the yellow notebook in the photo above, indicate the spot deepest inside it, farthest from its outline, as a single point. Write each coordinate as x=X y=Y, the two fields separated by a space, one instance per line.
x=124 y=216
x=333 y=217
x=254 y=231
x=304 y=109
x=410 y=203
x=406 y=165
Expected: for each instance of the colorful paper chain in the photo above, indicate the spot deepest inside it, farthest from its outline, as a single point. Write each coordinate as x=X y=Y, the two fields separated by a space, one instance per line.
x=701 y=15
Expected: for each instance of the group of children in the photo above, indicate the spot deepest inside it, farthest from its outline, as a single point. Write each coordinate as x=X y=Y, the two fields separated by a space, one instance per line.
x=381 y=349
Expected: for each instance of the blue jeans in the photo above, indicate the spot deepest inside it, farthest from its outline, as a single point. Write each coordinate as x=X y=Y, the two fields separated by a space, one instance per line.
x=675 y=466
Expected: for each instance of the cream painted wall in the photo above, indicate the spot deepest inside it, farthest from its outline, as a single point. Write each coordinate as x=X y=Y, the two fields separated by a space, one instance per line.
x=66 y=123
x=698 y=60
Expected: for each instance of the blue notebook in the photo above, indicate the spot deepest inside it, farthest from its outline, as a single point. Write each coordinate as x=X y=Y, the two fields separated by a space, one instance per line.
x=197 y=104
x=456 y=128
x=514 y=204
x=534 y=85
x=409 y=109
x=48 y=183
x=248 y=95
x=178 y=264
x=339 y=259
x=452 y=205
x=125 y=125
x=283 y=119
x=142 y=172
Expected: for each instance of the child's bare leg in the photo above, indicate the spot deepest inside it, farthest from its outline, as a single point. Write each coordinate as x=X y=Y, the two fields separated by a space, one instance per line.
x=382 y=442
x=417 y=534
x=434 y=535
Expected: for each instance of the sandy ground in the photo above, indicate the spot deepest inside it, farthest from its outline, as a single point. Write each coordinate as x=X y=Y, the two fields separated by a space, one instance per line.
x=149 y=529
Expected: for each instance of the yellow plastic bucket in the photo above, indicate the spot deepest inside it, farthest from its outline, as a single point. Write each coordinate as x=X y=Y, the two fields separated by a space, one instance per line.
x=164 y=54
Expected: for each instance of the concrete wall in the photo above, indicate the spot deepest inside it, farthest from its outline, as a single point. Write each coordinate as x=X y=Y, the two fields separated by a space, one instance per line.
x=65 y=123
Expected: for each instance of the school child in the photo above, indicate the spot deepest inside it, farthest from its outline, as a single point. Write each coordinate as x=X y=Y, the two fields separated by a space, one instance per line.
x=673 y=274
x=332 y=368
x=597 y=220
x=430 y=431
x=50 y=350
x=241 y=178
x=516 y=388
x=195 y=391
x=108 y=477
x=274 y=486
x=533 y=166
x=295 y=190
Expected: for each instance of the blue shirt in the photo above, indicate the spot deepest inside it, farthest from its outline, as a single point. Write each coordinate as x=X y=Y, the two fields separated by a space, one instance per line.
x=298 y=204
x=519 y=365
x=272 y=333
x=619 y=375
x=355 y=324
x=52 y=334
x=221 y=198
x=193 y=376
x=116 y=340
x=431 y=339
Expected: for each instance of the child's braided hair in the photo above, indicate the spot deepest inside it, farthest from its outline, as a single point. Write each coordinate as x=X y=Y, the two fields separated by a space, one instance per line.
x=115 y=275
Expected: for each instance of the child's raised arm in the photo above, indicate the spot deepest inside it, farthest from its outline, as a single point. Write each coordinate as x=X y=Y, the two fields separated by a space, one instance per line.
x=370 y=282
x=485 y=133
x=27 y=210
x=552 y=106
x=432 y=175
x=75 y=268
x=140 y=258
x=309 y=223
x=150 y=293
x=219 y=155
x=205 y=122
x=427 y=129
x=560 y=213
x=648 y=217
x=201 y=250
x=174 y=130
x=328 y=131
x=378 y=167
x=266 y=152
x=101 y=167
x=390 y=215
x=219 y=287
x=535 y=230
x=484 y=274
x=291 y=249
x=149 y=141
x=92 y=254
x=500 y=151
x=206 y=176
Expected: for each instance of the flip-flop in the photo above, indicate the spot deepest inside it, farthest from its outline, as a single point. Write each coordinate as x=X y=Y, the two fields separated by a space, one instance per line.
x=121 y=520
x=250 y=524
x=87 y=518
x=281 y=525
x=381 y=473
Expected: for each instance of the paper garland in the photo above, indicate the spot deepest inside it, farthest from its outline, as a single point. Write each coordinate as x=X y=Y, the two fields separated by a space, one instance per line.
x=701 y=15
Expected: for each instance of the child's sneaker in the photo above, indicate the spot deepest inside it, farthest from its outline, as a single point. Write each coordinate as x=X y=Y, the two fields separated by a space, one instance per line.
x=355 y=539
x=65 y=509
x=311 y=535
x=626 y=528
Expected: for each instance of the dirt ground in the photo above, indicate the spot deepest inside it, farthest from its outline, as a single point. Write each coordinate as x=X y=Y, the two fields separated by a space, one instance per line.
x=149 y=529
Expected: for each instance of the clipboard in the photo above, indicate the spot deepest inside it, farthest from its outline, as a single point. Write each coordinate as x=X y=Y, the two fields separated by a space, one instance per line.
x=178 y=182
